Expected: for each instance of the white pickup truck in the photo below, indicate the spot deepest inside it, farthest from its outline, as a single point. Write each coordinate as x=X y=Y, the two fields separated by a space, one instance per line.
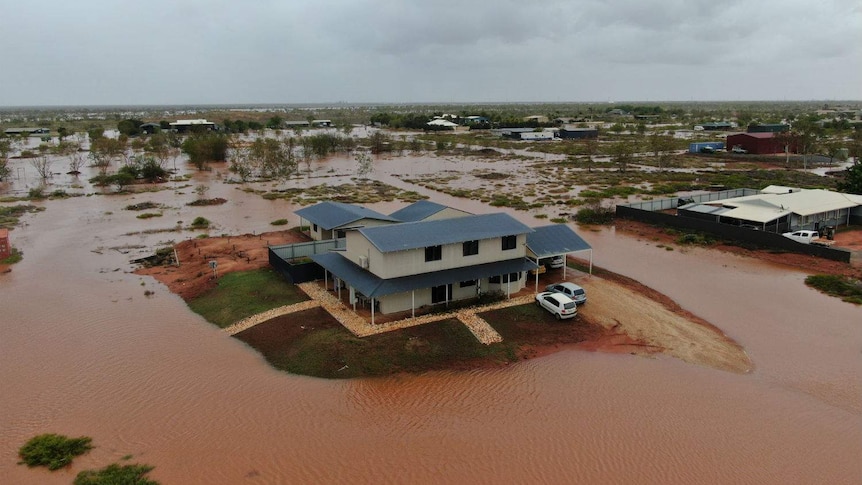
x=808 y=237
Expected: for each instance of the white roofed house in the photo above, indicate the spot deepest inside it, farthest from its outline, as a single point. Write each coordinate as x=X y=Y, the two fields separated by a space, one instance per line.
x=781 y=209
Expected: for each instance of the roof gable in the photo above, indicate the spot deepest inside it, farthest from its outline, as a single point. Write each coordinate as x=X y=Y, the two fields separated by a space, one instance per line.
x=330 y=215
x=417 y=211
x=413 y=235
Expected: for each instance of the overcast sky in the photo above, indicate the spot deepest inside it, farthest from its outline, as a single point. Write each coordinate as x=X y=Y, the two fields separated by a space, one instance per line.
x=307 y=51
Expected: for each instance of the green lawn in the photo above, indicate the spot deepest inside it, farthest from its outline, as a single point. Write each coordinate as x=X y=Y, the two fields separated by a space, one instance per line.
x=242 y=294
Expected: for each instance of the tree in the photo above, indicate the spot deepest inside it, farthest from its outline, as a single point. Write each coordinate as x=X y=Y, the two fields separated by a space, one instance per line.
x=622 y=153
x=5 y=149
x=591 y=145
x=42 y=164
x=130 y=127
x=662 y=147
x=852 y=183
x=240 y=163
x=274 y=123
x=104 y=150
x=205 y=147
x=273 y=158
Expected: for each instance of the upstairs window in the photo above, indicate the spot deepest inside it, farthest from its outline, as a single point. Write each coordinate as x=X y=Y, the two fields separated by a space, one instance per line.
x=509 y=242
x=471 y=248
x=433 y=253
x=315 y=228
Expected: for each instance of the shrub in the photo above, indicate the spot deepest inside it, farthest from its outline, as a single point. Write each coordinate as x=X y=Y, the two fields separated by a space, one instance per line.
x=200 y=223
x=52 y=450
x=595 y=213
x=279 y=222
x=847 y=289
x=699 y=239
x=148 y=215
x=115 y=474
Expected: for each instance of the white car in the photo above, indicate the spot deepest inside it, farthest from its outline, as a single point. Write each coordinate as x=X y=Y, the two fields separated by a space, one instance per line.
x=804 y=237
x=739 y=149
x=573 y=291
x=555 y=262
x=560 y=305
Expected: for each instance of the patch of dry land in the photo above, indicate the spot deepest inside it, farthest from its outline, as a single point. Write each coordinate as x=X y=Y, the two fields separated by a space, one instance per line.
x=625 y=316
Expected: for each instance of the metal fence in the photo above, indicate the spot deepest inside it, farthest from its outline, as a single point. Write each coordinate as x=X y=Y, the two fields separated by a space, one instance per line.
x=303 y=250
x=673 y=203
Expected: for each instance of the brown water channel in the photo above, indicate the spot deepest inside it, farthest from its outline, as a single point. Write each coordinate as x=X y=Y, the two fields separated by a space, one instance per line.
x=84 y=352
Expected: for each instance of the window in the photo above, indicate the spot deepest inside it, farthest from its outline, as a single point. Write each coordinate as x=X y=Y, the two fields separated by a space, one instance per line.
x=433 y=253
x=504 y=278
x=468 y=283
x=471 y=248
x=315 y=228
x=509 y=242
x=340 y=234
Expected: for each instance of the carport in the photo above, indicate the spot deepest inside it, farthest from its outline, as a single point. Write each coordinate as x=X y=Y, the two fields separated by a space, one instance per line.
x=555 y=240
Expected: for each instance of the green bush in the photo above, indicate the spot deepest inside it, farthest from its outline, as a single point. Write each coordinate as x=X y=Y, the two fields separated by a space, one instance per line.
x=699 y=239
x=115 y=474
x=53 y=450
x=595 y=213
x=200 y=223
x=279 y=222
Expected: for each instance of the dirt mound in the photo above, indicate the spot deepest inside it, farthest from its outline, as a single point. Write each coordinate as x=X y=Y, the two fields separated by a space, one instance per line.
x=194 y=275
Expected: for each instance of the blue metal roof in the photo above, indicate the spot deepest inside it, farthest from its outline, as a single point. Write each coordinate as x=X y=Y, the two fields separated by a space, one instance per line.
x=330 y=215
x=373 y=287
x=414 y=235
x=554 y=240
x=417 y=211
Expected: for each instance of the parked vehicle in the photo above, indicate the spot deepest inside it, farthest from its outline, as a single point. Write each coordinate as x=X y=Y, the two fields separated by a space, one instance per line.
x=808 y=237
x=707 y=149
x=739 y=149
x=555 y=262
x=573 y=291
x=560 y=305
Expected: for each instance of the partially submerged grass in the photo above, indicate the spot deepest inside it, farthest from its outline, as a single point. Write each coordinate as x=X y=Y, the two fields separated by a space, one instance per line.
x=53 y=450
x=313 y=343
x=115 y=474
x=15 y=257
x=848 y=289
x=242 y=294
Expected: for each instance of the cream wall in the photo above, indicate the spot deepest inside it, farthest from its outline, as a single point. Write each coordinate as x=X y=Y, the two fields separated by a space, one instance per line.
x=410 y=262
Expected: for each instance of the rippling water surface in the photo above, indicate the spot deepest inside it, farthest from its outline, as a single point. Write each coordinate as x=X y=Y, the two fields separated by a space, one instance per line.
x=84 y=352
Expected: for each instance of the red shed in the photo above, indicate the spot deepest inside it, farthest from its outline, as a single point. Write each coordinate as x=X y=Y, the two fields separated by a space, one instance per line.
x=758 y=143
x=5 y=246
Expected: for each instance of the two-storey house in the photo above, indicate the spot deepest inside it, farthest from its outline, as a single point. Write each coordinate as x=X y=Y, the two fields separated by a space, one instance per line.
x=403 y=266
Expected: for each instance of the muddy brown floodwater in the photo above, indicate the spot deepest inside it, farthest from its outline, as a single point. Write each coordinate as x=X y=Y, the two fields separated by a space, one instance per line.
x=84 y=352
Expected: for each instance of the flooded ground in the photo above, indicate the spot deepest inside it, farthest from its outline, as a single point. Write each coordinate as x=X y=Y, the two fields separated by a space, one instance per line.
x=84 y=352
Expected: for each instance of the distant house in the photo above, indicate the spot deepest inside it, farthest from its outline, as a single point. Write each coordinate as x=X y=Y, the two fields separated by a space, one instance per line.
x=781 y=209
x=150 y=128
x=321 y=123
x=768 y=128
x=5 y=245
x=26 y=131
x=477 y=119
x=574 y=133
x=536 y=118
x=530 y=135
x=441 y=123
x=185 y=126
x=289 y=124
x=330 y=220
x=715 y=126
x=758 y=143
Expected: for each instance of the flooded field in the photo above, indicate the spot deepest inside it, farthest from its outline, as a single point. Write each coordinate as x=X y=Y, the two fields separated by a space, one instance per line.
x=83 y=351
